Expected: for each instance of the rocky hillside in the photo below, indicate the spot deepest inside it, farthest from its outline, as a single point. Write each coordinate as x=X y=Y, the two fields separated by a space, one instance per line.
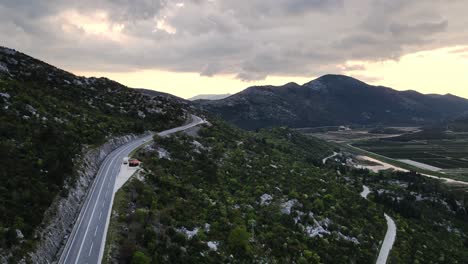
x=459 y=124
x=224 y=195
x=333 y=100
x=47 y=118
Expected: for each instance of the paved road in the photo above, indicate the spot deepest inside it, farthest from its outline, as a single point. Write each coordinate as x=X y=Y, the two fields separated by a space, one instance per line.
x=87 y=240
x=329 y=157
x=388 y=241
x=390 y=236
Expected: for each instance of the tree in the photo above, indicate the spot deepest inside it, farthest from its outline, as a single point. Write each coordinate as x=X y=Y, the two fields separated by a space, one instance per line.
x=238 y=241
x=140 y=258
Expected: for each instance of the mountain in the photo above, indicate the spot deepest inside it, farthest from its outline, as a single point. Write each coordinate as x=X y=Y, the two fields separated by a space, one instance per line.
x=460 y=124
x=209 y=97
x=48 y=119
x=217 y=194
x=154 y=93
x=332 y=100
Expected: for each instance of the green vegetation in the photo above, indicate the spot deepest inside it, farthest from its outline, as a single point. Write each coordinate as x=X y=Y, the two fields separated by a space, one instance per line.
x=235 y=196
x=47 y=118
x=432 y=218
x=209 y=193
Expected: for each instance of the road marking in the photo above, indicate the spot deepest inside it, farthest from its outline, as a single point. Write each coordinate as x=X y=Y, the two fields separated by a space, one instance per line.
x=94 y=209
x=100 y=215
x=91 y=249
x=124 y=148
x=95 y=231
x=100 y=178
x=95 y=183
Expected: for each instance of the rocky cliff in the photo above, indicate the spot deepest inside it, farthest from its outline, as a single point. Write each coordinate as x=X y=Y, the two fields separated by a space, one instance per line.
x=61 y=216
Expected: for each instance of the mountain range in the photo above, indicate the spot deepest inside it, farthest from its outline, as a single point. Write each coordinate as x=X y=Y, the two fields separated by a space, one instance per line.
x=265 y=196
x=333 y=100
x=209 y=97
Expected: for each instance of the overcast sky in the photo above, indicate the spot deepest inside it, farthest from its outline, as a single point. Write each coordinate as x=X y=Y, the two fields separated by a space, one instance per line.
x=218 y=46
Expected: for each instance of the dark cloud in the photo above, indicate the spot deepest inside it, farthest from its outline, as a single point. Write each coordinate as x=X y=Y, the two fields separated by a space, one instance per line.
x=248 y=38
x=420 y=29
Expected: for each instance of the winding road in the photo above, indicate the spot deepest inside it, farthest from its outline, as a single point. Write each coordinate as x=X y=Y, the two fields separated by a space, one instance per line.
x=388 y=242
x=87 y=240
x=390 y=235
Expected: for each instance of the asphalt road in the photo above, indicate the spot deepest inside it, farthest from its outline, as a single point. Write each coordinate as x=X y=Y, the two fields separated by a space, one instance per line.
x=87 y=240
x=388 y=241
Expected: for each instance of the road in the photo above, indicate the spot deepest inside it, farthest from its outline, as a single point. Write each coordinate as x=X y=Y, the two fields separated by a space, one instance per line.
x=87 y=240
x=365 y=192
x=388 y=241
x=329 y=157
x=390 y=236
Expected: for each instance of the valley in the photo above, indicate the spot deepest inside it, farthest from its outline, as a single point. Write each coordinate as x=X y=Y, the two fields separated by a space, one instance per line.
x=237 y=132
x=217 y=192
x=440 y=154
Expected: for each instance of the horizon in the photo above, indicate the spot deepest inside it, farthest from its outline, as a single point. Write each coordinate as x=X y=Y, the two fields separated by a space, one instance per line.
x=188 y=48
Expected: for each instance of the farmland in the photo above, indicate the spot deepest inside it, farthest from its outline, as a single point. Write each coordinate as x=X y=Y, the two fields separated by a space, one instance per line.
x=449 y=153
x=434 y=152
x=444 y=154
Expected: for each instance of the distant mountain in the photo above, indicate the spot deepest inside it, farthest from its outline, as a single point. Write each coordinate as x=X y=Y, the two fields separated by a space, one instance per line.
x=209 y=97
x=332 y=100
x=459 y=124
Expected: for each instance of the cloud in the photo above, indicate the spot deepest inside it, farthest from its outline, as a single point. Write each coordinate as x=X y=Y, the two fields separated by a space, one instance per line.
x=426 y=28
x=251 y=39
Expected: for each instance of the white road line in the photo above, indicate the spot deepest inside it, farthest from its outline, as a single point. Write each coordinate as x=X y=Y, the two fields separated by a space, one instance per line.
x=87 y=203
x=100 y=178
x=100 y=215
x=95 y=231
x=94 y=209
x=90 y=249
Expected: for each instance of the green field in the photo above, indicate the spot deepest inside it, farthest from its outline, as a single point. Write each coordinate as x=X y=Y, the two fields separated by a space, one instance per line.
x=442 y=153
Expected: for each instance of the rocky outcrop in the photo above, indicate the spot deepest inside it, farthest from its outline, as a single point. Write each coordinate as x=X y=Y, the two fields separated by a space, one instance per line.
x=60 y=217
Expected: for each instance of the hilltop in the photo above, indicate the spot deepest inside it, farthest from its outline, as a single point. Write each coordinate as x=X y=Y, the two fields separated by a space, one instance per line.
x=333 y=100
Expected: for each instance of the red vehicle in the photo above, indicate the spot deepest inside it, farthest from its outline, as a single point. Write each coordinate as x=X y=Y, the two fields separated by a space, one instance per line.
x=134 y=163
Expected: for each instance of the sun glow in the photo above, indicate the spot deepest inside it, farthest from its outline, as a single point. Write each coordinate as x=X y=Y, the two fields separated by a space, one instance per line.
x=94 y=24
x=433 y=71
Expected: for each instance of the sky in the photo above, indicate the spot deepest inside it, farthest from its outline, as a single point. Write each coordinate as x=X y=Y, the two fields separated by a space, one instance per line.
x=190 y=47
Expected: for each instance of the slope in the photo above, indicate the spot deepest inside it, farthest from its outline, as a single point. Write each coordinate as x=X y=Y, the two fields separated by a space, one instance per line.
x=333 y=100
x=47 y=118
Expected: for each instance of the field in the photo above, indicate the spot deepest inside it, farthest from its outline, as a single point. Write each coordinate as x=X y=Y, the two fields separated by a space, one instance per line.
x=438 y=154
x=353 y=135
x=444 y=154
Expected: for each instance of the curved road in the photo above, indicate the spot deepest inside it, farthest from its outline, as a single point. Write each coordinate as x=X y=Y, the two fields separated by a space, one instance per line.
x=87 y=240
x=390 y=236
x=388 y=241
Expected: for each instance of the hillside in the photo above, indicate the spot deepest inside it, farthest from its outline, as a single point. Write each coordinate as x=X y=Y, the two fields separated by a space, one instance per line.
x=153 y=93
x=225 y=195
x=47 y=118
x=459 y=124
x=333 y=100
